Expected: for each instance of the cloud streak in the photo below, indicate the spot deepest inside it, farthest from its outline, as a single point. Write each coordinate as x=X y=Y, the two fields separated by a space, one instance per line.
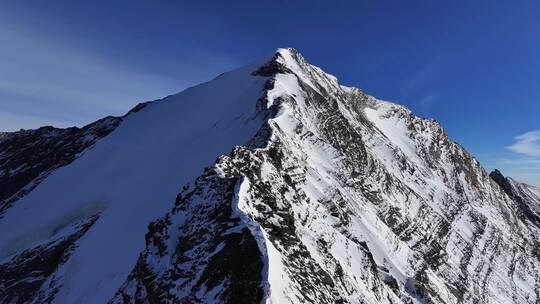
x=523 y=164
x=527 y=144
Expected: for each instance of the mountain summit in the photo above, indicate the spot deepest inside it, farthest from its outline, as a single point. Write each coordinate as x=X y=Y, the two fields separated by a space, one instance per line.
x=271 y=183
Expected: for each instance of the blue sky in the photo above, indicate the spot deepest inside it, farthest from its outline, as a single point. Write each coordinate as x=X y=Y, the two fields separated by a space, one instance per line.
x=473 y=65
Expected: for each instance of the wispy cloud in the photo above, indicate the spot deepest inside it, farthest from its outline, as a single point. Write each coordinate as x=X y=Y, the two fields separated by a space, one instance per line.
x=418 y=89
x=427 y=102
x=523 y=163
x=421 y=76
x=527 y=144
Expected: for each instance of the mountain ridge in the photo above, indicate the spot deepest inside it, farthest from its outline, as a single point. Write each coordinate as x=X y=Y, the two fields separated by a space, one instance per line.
x=329 y=195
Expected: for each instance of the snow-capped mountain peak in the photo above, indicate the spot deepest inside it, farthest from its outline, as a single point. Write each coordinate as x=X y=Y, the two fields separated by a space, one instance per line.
x=271 y=183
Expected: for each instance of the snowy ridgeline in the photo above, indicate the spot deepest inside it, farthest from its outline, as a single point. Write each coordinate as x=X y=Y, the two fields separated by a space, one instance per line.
x=271 y=183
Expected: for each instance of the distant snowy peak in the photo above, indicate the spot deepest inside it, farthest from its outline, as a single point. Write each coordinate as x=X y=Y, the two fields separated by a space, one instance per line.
x=29 y=156
x=527 y=197
x=271 y=183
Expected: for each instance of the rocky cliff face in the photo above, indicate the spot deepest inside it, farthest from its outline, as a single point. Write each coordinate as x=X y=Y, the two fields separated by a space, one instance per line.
x=328 y=196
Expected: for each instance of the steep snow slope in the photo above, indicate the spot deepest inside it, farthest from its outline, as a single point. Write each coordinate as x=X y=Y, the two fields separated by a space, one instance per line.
x=128 y=179
x=312 y=193
x=28 y=156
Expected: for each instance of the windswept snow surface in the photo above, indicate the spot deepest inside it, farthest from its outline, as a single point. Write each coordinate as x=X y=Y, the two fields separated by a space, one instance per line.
x=392 y=127
x=131 y=177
